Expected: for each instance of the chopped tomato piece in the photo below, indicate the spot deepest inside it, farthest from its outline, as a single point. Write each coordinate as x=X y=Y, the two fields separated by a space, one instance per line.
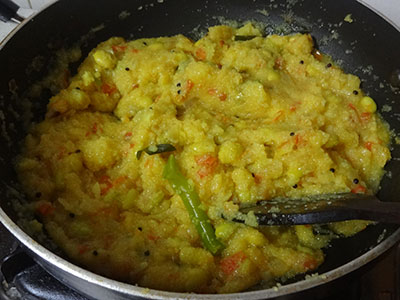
x=359 y=189
x=107 y=184
x=108 y=89
x=282 y=144
x=279 y=63
x=62 y=153
x=120 y=180
x=206 y=160
x=231 y=263
x=368 y=145
x=257 y=178
x=45 y=209
x=203 y=172
x=279 y=114
x=366 y=116
x=149 y=163
x=222 y=97
x=189 y=85
x=207 y=164
x=201 y=54
x=119 y=48
x=104 y=179
x=310 y=264
x=152 y=237
x=128 y=134
x=351 y=105
x=317 y=55
x=299 y=140
x=215 y=92
x=92 y=130
x=294 y=107
x=106 y=189
x=82 y=248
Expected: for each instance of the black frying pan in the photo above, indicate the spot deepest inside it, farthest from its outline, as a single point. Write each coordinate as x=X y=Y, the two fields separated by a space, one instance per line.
x=369 y=47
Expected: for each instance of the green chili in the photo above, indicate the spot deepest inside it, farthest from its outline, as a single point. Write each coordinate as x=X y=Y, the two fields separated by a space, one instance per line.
x=192 y=203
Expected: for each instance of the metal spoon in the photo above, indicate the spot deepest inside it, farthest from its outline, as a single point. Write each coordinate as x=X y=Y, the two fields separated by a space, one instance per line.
x=324 y=209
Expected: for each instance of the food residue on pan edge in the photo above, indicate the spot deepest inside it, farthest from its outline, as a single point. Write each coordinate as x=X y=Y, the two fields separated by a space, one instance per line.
x=348 y=19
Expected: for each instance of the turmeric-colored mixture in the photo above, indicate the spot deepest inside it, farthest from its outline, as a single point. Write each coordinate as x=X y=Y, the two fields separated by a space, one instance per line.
x=240 y=117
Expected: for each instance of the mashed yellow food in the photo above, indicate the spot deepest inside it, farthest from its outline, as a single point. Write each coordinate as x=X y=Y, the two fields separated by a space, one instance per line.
x=251 y=118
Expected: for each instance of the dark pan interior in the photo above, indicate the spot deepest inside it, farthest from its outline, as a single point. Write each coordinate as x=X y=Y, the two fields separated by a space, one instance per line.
x=369 y=47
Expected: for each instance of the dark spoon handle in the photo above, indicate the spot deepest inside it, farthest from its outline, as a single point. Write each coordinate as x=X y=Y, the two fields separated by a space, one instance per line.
x=351 y=207
x=375 y=210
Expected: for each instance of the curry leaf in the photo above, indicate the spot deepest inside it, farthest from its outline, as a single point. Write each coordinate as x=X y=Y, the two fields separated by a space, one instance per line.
x=151 y=150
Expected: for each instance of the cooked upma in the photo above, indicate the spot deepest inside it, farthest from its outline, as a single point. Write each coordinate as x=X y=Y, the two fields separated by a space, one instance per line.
x=142 y=161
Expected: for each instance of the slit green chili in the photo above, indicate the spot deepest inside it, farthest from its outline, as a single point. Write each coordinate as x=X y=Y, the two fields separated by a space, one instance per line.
x=192 y=203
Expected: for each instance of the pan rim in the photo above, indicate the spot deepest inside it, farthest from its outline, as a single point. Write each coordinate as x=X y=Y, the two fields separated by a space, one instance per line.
x=26 y=20
x=132 y=290
x=377 y=12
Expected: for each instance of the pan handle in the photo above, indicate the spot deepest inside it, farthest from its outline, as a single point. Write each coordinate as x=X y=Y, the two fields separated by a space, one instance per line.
x=9 y=11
